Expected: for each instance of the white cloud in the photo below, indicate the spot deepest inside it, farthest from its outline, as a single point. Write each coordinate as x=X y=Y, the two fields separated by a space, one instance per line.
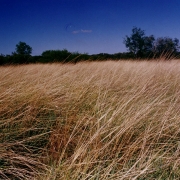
x=76 y=32
x=86 y=31
x=82 y=31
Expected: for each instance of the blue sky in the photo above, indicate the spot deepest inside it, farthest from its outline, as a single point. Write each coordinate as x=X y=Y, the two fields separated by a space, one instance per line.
x=86 y=26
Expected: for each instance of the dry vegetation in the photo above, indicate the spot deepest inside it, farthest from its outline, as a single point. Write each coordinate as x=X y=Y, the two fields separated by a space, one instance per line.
x=95 y=121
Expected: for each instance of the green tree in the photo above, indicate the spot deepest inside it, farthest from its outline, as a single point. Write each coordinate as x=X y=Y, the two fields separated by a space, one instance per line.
x=139 y=44
x=56 y=55
x=23 y=49
x=166 y=46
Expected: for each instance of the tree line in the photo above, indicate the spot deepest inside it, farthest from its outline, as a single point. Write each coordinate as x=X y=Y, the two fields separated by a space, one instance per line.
x=143 y=46
x=139 y=46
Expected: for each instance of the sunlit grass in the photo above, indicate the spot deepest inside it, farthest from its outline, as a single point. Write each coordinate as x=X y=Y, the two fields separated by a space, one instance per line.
x=92 y=120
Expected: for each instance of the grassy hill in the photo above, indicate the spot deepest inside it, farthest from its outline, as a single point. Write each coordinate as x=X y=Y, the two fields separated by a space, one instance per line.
x=93 y=120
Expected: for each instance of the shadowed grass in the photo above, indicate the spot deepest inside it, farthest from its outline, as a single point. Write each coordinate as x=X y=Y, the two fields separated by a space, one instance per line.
x=93 y=120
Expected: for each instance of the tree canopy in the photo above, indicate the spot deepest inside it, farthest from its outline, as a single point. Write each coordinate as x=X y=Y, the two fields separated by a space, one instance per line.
x=138 y=43
x=143 y=46
x=166 y=45
x=23 y=49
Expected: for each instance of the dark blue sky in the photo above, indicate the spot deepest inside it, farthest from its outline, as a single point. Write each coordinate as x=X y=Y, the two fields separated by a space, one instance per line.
x=86 y=26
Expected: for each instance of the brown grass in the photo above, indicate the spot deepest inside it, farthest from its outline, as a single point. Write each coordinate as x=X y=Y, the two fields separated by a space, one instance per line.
x=92 y=120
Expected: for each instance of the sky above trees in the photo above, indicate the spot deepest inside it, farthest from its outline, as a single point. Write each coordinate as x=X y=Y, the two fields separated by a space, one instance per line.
x=86 y=26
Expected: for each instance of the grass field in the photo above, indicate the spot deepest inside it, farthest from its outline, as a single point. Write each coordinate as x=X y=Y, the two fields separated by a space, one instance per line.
x=91 y=121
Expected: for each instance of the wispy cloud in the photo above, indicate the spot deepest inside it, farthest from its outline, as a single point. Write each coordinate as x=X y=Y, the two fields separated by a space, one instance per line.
x=82 y=31
x=76 y=32
x=86 y=31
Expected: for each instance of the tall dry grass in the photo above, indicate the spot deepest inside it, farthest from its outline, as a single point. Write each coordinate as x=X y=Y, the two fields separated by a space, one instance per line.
x=92 y=120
